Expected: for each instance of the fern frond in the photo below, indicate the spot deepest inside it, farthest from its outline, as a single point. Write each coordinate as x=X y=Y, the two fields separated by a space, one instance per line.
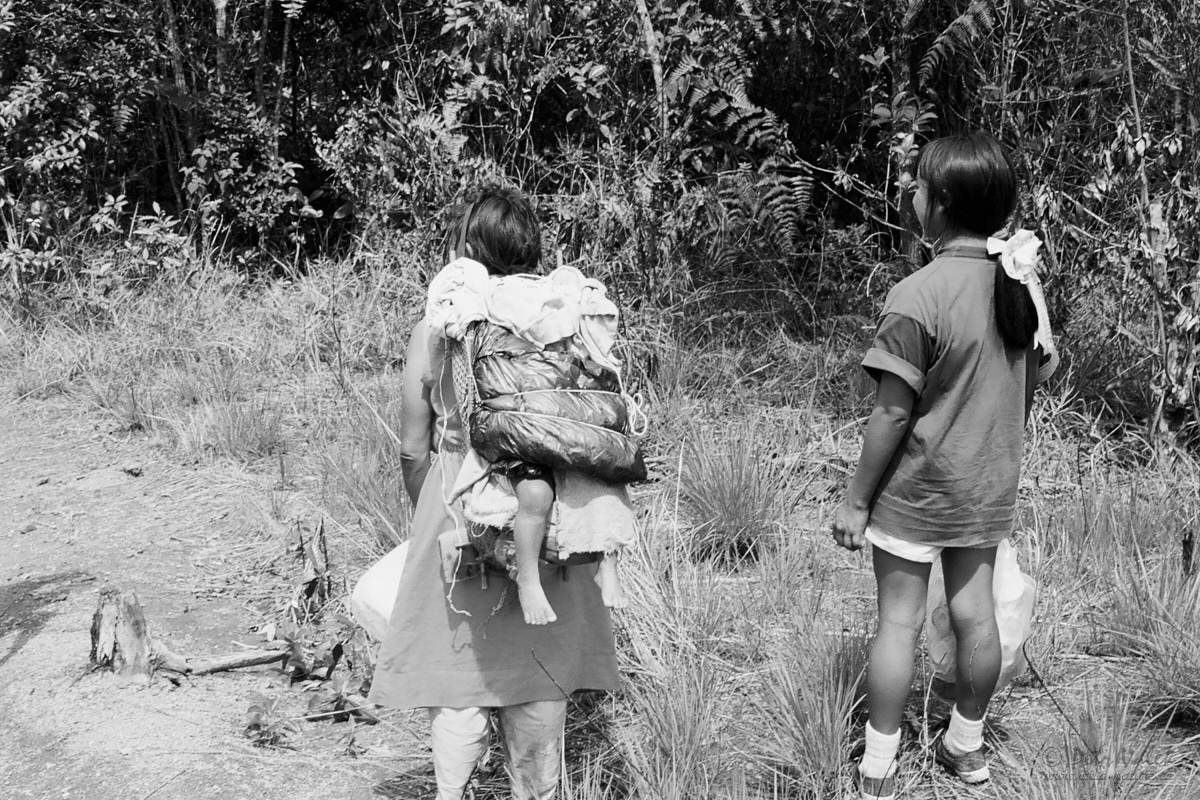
x=754 y=17
x=756 y=129
x=122 y=116
x=915 y=7
x=687 y=65
x=718 y=94
x=802 y=186
x=968 y=29
x=786 y=200
x=766 y=18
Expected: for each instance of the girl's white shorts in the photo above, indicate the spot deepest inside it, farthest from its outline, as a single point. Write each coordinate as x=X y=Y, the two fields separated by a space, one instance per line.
x=909 y=551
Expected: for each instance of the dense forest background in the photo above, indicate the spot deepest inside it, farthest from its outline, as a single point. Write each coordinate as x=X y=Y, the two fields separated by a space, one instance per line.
x=218 y=221
x=743 y=164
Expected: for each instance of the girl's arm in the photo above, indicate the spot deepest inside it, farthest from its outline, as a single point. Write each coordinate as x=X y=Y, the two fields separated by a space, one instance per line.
x=416 y=415
x=885 y=428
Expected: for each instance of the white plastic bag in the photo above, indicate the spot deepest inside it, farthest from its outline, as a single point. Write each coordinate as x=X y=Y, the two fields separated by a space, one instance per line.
x=375 y=593
x=1013 y=593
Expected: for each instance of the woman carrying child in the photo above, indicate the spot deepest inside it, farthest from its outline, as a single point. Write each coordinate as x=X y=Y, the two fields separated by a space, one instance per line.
x=961 y=345
x=461 y=650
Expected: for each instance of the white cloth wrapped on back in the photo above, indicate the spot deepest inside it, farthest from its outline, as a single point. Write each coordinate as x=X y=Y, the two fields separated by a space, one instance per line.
x=541 y=309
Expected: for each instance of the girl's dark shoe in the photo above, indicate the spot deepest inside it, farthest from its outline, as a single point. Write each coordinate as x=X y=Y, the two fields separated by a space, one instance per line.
x=969 y=767
x=875 y=788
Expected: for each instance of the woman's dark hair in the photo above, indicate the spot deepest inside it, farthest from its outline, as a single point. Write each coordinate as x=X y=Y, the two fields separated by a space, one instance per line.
x=501 y=227
x=974 y=180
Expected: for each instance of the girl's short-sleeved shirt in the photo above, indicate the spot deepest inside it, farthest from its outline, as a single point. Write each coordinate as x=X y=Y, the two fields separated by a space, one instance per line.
x=953 y=478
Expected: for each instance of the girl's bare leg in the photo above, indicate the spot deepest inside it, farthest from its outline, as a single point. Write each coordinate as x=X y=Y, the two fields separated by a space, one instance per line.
x=903 y=586
x=535 y=499
x=610 y=582
x=973 y=617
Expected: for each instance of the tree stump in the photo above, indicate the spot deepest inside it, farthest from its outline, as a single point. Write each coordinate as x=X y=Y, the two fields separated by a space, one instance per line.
x=120 y=636
x=121 y=640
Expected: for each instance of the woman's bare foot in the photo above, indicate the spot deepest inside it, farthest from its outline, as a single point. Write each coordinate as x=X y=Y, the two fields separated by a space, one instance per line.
x=534 y=604
x=610 y=583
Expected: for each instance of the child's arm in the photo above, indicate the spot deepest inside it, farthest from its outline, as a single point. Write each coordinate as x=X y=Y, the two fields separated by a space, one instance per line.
x=416 y=415
x=885 y=428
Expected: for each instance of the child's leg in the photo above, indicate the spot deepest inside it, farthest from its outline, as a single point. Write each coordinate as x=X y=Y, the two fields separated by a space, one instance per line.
x=610 y=582
x=902 y=587
x=973 y=617
x=535 y=499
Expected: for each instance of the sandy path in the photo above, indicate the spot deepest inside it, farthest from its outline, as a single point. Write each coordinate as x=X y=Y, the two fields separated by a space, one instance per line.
x=81 y=508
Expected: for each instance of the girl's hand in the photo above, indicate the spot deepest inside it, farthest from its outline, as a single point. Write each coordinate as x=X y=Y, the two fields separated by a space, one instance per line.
x=849 y=525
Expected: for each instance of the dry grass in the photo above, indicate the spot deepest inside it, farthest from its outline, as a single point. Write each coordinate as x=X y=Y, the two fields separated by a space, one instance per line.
x=360 y=467
x=1156 y=618
x=738 y=486
x=810 y=717
x=241 y=431
x=744 y=641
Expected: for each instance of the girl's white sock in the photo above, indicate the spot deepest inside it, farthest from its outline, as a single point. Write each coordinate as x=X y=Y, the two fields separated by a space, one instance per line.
x=880 y=759
x=964 y=736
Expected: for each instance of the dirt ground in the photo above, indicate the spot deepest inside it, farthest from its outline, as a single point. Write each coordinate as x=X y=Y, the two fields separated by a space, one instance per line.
x=83 y=507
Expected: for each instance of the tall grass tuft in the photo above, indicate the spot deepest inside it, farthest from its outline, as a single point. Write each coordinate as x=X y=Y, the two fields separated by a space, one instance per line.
x=808 y=702
x=126 y=401
x=1102 y=753
x=1156 y=617
x=1089 y=546
x=679 y=754
x=738 y=494
x=241 y=431
x=360 y=466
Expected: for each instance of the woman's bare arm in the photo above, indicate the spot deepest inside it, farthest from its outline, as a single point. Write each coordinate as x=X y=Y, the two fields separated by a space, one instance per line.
x=416 y=415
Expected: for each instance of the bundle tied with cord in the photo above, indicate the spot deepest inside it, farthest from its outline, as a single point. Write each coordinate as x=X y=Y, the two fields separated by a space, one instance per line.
x=536 y=382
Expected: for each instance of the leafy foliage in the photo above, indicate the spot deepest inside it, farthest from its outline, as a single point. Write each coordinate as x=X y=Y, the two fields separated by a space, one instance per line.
x=710 y=145
x=966 y=31
x=267 y=726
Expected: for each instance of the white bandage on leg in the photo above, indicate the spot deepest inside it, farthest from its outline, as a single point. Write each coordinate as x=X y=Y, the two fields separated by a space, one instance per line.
x=459 y=739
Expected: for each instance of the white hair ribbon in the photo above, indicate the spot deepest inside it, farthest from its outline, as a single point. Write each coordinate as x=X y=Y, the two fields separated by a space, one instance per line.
x=1019 y=258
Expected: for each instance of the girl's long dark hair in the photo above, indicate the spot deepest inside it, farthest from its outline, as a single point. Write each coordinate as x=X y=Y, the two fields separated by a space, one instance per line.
x=973 y=178
x=502 y=229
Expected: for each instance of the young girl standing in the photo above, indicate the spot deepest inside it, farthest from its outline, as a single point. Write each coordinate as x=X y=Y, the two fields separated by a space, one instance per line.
x=956 y=355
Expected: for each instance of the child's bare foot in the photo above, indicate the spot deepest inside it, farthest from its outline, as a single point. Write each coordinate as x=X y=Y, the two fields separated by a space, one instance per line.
x=534 y=604
x=610 y=583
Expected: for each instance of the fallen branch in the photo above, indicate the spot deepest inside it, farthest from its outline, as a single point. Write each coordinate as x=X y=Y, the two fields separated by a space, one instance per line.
x=121 y=640
x=250 y=658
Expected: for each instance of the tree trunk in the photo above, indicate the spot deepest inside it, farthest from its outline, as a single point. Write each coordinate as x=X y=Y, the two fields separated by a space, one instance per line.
x=646 y=208
x=219 y=7
x=1155 y=230
x=172 y=153
x=283 y=71
x=656 y=69
x=260 y=63
x=905 y=109
x=176 y=50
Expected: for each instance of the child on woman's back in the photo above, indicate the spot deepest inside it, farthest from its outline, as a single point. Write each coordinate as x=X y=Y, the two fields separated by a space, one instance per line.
x=499 y=232
x=957 y=355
